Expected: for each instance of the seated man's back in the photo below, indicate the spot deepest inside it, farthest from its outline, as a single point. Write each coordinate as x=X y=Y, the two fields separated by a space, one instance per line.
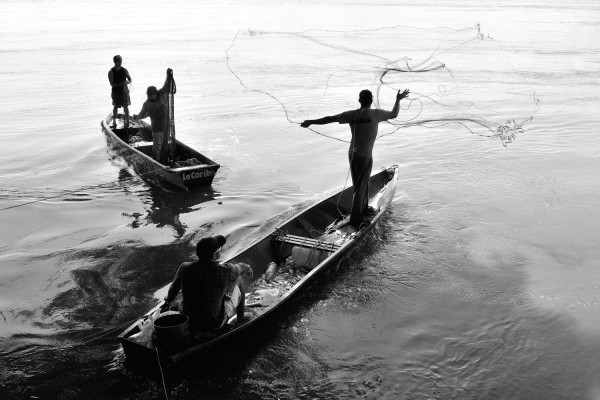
x=203 y=285
x=205 y=282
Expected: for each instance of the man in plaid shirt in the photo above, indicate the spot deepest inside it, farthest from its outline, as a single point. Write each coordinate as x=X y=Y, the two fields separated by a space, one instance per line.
x=212 y=292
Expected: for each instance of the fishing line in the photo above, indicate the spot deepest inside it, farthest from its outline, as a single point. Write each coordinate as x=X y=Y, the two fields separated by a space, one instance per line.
x=227 y=58
x=162 y=375
x=101 y=185
x=98 y=335
x=85 y=340
x=107 y=184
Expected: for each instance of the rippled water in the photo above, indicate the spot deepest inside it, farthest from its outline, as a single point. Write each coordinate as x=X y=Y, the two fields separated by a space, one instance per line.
x=482 y=280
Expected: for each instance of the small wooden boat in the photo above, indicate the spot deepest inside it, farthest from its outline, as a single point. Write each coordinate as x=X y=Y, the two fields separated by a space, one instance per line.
x=305 y=244
x=189 y=168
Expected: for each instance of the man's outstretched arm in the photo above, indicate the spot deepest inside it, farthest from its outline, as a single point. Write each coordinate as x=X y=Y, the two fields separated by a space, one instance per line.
x=399 y=96
x=321 y=121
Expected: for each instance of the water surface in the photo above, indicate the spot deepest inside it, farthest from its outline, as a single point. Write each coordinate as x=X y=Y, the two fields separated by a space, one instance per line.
x=480 y=282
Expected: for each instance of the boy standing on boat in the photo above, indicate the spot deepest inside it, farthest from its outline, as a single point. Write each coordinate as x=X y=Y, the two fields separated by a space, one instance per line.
x=119 y=78
x=363 y=123
x=156 y=108
x=212 y=292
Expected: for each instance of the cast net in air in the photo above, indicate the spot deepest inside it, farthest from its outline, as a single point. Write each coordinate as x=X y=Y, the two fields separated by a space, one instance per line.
x=459 y=79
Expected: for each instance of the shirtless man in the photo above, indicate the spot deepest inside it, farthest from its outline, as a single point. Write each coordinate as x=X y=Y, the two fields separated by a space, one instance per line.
x=363 y=123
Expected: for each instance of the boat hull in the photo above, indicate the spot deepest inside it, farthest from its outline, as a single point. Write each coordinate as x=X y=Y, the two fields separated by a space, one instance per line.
x=139 y=156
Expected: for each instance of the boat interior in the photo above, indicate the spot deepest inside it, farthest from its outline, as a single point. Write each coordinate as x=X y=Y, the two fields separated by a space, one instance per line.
x=314 y=234
x=139 y=136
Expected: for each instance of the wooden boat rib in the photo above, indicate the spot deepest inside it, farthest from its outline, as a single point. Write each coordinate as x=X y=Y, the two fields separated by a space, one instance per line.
x=281 y=245
x=190 y=168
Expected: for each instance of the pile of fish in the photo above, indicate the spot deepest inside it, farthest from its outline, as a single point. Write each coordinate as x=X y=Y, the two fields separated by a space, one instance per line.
x=276 y=281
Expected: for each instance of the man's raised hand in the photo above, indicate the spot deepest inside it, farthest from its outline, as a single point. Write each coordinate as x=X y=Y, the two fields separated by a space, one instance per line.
x=402 y=95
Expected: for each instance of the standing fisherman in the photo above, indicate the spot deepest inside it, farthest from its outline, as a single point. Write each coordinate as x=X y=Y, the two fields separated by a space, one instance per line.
x=363 y=126
x=119 y=78
x=156 y=108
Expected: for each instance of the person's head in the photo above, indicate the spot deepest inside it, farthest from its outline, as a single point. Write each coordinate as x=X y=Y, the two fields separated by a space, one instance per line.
x=208 y=246
x=365 y=98
x=152 y=93
x=117 y=60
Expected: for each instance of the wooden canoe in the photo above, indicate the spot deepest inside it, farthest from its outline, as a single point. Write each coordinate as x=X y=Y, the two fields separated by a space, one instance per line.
x=305 y=244
x=134 y=144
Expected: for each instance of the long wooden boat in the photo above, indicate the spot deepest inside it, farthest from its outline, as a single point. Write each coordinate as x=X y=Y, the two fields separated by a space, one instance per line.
x=306 y=243
x=134 y=144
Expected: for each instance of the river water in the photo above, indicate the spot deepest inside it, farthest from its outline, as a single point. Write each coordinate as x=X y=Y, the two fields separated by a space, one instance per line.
x=482 y=279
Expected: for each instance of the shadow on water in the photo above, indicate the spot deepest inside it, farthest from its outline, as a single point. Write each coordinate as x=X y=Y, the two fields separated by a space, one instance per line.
x=65 y=346
x=111 y=292
x=101 y=299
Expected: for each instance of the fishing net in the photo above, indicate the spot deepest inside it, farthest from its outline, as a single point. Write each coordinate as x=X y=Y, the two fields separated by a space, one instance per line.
x=171 y=110
x=456 y=77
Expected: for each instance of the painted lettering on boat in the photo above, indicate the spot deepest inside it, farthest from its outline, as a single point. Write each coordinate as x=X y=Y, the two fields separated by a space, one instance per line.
x=198 y=174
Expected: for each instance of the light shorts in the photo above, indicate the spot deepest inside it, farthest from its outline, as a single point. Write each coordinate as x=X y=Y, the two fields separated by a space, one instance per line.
x=157 y=143
x=232 y=302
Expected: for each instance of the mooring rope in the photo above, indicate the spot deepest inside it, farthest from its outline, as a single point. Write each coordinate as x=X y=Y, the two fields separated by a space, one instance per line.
x=161 y=373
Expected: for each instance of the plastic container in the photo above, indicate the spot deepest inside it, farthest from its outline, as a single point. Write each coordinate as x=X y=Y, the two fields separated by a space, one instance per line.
x=268 y=296
x=307 y=257
x=270 y=271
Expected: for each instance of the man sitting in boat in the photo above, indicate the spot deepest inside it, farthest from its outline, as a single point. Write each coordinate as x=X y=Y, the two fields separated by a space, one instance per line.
x=156 y=108
x=212 y=292
x=364 y=124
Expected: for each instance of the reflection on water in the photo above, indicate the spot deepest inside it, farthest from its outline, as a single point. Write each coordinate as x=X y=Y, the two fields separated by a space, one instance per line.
x=164 y=208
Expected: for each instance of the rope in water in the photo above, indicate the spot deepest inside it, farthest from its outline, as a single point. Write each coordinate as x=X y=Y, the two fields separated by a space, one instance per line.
x=98 y=335
x=108 y=184
x=101 y=185
x=161 y=373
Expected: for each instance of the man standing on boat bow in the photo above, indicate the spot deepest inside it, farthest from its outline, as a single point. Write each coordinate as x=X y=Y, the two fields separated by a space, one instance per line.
x=119 y=78
x=364 y=124
x=156 y=108
x=212 y=292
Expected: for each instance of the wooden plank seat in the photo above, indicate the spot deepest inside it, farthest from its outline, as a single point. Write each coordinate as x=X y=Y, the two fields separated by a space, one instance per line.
x=306 y=242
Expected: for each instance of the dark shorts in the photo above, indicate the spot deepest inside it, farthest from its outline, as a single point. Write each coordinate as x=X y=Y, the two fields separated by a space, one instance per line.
x=360 y=169
x=120 y=98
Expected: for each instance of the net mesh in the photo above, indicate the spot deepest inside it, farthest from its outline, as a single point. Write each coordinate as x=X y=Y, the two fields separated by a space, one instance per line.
x=171 y=121
x=457 y=77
